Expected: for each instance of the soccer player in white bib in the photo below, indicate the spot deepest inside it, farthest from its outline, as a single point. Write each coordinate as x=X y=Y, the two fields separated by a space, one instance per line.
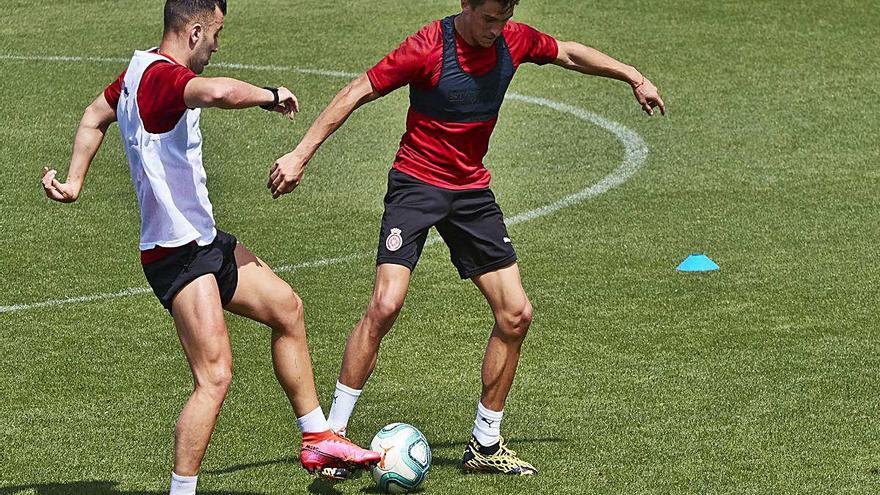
x=195 y=270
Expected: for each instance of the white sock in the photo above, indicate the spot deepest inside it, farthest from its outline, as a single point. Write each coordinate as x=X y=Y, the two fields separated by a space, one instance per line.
x=313 y=422
x=487 y=426
x=344 y=399
x=183 y=485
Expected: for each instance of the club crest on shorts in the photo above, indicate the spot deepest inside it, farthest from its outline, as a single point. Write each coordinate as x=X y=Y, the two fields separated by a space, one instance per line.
x=394 y=241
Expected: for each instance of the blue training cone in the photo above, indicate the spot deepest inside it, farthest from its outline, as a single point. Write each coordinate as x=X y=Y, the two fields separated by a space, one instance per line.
x=697 y=262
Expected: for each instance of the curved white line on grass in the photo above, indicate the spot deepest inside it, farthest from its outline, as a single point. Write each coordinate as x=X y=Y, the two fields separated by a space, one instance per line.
x=635 y=153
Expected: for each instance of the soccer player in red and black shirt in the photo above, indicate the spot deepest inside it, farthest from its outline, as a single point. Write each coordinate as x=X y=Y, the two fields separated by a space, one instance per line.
x=458 y=70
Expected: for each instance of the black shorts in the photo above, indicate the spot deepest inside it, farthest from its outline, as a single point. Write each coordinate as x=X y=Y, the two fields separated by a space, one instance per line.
x=469 y=221
x=187 y=263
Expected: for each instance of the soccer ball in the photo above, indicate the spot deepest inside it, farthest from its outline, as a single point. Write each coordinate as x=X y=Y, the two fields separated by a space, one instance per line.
x=406 y=458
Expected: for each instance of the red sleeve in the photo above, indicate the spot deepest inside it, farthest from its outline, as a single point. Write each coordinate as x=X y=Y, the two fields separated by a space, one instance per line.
x=160 y=95
x=411 y=62
x=528 y=45
x=112 y=92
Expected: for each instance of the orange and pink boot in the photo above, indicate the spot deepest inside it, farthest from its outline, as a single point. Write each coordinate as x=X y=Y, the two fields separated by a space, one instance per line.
x=327 y=452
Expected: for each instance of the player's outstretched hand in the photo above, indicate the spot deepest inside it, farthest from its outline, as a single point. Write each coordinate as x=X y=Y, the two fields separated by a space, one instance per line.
x=64 y=193
x=648 y=96
x=286 y=174
x=288 y=105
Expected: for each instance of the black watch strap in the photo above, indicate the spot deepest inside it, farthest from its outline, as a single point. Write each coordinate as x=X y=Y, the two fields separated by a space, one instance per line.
x=270 y=106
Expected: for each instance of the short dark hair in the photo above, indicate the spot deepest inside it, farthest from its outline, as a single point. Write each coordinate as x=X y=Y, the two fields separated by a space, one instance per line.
x=180 y=12
x=507 y=4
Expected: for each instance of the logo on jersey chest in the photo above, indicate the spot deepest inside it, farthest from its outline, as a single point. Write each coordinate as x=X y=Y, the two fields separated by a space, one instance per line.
x=472 y=96
x=394 y=241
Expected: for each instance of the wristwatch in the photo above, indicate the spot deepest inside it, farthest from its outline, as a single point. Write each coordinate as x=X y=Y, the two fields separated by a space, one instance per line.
x=270 y=106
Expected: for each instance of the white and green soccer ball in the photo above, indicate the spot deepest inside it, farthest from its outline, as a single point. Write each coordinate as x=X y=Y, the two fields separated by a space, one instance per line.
x=406 y=458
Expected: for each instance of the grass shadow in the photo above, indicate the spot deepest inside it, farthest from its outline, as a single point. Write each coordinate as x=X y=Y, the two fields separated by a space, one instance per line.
x=375 y=489
x=251 y=465
x=95 y=488
x=324 y=487
x=455 y=462
x=511 y=441
x=327 y=487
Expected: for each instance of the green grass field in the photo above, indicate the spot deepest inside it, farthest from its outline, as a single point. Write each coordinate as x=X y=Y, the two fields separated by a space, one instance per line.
x=635 y=379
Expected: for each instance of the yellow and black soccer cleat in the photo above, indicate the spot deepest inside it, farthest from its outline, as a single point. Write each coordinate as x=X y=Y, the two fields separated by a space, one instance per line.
x=504 y=461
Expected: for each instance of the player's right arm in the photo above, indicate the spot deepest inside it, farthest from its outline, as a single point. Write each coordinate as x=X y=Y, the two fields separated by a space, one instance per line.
x=287 y=171
x=89 y=136
x=402 y=66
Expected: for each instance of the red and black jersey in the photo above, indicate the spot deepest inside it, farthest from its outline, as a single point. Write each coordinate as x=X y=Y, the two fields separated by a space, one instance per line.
x=438 y=149
x=160 y=96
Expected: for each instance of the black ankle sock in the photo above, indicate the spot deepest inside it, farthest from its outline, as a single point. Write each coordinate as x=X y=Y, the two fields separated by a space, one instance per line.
x=491 y=449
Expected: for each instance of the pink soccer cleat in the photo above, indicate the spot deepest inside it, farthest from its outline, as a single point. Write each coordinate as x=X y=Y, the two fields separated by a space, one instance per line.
x=321 y=452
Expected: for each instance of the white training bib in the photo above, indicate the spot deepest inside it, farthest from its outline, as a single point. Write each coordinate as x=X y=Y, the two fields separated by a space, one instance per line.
x=166 y=169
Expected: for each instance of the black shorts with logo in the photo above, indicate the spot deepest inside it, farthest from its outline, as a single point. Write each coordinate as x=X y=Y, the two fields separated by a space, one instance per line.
x=168 y=275
x=469 y=221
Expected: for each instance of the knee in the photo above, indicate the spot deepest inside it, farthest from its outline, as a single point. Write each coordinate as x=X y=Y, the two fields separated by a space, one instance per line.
x=215 y=381
x=513 y=322
x=384 y=309
x=286 y=310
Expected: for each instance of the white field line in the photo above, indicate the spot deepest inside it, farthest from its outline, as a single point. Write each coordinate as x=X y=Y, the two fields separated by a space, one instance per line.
x=323 y=262
x=635 y=154
x=75 y=300
x=220 y=65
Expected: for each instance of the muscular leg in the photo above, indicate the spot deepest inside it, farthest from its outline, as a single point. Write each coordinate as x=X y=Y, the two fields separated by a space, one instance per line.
x=513 y=315
x=202 y=332
x=362 y=346
x=264 y=297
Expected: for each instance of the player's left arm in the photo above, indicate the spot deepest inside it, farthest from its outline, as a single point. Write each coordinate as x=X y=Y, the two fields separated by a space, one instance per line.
x=92 y=128
x=231 y=94
x=586 y=60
